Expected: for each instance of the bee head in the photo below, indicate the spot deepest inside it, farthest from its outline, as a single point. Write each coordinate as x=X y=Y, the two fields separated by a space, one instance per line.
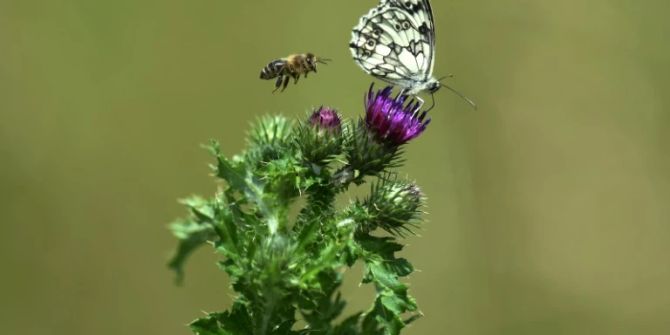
x=311 y=58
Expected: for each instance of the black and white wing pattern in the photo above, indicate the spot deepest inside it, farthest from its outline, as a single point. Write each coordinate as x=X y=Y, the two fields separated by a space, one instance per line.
x=395 y=42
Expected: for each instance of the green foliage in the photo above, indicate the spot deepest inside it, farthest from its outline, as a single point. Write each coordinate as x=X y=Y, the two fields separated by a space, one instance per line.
x=283 y=270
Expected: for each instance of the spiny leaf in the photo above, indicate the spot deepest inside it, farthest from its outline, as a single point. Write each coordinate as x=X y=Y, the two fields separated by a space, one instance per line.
x=235 y=322
x=349 y=326
x=192 y=235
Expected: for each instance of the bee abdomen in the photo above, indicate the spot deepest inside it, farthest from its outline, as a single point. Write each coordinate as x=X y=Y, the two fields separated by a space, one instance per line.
x=273 y=69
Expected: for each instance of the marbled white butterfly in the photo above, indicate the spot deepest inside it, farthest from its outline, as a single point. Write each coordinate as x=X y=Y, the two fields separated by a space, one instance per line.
x=395 y=42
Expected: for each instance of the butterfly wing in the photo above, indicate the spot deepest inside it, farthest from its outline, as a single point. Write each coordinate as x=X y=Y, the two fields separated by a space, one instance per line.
x=395 y=42
x=422 y=13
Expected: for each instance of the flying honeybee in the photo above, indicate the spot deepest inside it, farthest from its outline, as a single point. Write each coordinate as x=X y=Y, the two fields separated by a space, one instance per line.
x=291 y=67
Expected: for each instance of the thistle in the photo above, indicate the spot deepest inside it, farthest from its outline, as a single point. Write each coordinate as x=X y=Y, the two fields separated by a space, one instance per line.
x=375 y=141
x=326 y=119
x=394 y=120
x=393 y=205
x=283 y=269
x=320 y=136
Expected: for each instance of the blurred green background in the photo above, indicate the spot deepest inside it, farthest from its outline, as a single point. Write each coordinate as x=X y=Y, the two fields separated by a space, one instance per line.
x=548 y=206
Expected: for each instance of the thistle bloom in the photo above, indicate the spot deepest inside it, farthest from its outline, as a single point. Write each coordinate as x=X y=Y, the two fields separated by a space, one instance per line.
x=395 y=120
x=326 y=118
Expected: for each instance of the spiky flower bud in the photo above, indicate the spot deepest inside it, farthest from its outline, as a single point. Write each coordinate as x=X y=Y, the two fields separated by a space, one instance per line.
x=267 y=139
x=270 y=130
x=326 y=119
x=394 y=206
x=320 y=137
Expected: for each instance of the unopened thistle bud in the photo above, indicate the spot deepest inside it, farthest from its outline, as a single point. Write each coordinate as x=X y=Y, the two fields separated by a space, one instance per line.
x=268 y=138
x=273 y=130
x=320 y=138
x=326 y=119
x=394 y=206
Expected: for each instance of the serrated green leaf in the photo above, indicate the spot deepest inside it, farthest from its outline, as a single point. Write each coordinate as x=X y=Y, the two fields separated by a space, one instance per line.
x=235 y=322
x=383 y=249
x=208 y=326
x=234 y=175
x=400 y=267
x=192 y=235
x=199 y=207
x=349 y=326
x=386 y=278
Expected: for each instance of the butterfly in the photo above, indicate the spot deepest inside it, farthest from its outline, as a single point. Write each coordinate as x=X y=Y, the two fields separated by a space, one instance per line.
x=395 y=42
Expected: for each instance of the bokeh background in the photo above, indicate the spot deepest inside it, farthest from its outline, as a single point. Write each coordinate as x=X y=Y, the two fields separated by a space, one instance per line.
x=549 y=206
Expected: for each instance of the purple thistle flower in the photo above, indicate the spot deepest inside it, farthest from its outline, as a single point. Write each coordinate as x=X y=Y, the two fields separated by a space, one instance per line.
x=396 y=120
x=326 y=118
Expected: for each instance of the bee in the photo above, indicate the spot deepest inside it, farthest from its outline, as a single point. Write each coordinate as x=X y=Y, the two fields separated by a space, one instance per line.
x=291 y=67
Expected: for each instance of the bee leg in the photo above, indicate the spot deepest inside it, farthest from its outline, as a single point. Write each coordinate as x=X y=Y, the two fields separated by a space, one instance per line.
x=304 y=65
x=278 y=83
x=286 y=79
x=432 y=96
x=295 y=78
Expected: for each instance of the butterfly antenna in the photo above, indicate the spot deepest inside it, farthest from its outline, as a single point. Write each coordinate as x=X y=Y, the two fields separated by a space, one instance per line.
x=461 y=95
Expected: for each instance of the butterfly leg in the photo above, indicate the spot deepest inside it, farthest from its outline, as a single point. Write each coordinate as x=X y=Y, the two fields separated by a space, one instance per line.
x=432 y=96
x=421 y=102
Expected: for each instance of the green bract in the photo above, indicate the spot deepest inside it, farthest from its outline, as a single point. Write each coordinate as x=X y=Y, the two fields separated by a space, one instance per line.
x=284 y=269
